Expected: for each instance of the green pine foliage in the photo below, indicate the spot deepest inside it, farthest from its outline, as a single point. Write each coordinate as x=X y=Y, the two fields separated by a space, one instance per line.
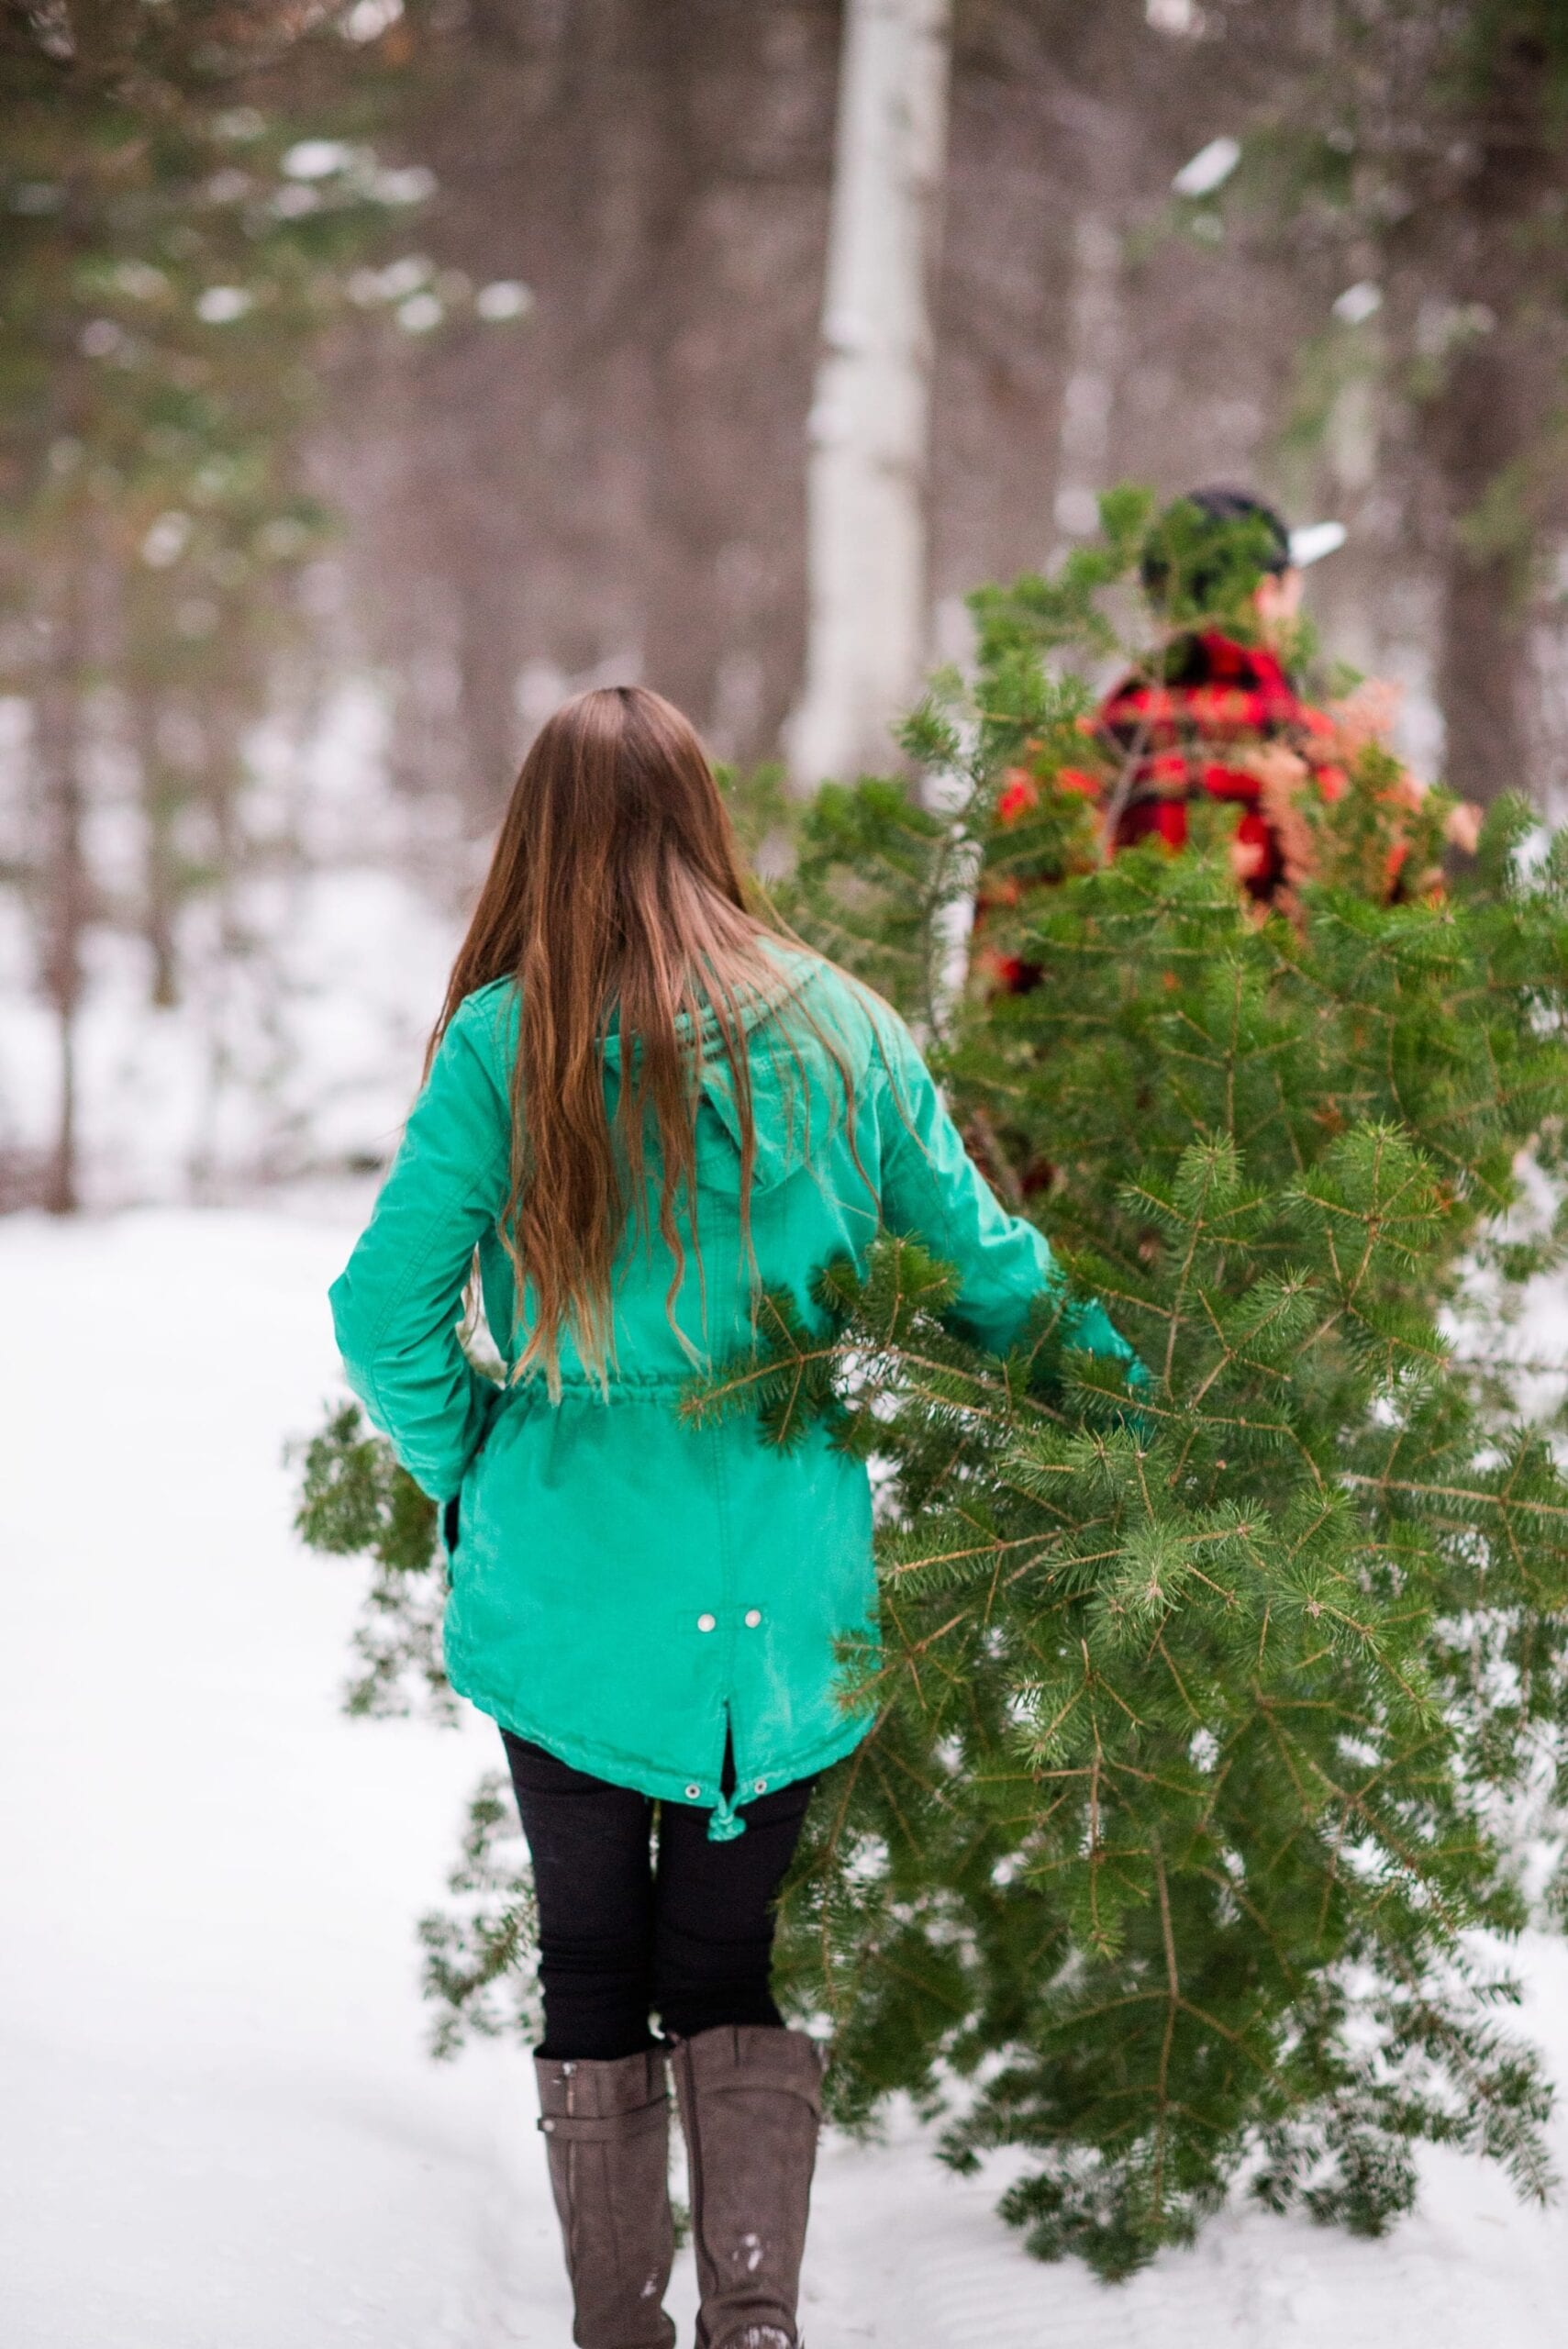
x=1176 y=1853
x=478 y=1970
x=355 y=1501
x=1168 y=1842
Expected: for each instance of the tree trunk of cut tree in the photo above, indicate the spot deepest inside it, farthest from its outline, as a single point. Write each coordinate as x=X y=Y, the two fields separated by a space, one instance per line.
x=867 y=509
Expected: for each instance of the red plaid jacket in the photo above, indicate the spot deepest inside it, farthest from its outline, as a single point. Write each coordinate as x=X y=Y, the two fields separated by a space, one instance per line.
x=1163 y=745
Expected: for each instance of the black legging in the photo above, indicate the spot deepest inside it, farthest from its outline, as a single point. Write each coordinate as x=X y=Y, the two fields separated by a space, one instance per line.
x=690 y=1940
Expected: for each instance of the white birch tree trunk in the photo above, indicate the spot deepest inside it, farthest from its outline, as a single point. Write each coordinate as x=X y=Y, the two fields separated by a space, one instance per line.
x=1088 y=396
x=867 y=524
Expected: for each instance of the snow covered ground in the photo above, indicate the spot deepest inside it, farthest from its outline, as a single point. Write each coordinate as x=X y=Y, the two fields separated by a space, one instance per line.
x=218 y=2127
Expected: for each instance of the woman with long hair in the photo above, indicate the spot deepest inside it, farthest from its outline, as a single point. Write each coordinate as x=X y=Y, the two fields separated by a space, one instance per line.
x=642 y=1108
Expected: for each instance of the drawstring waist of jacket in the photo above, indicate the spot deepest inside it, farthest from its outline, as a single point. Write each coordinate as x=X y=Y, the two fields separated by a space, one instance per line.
x=725 y=1821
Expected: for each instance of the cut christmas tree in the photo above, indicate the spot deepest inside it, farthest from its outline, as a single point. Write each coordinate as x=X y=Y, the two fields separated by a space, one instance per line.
x=1174 y=1853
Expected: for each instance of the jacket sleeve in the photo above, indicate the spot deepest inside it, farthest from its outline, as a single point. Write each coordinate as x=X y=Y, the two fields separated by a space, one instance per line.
x=932 y=1191
x=398 y=1305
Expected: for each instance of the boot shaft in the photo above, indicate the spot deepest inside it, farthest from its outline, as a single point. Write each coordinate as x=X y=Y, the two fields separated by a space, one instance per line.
x=750 y=2099
x=606 y=2132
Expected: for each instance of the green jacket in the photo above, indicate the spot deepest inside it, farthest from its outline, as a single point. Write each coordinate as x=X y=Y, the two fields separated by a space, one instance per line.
x=625 y=1588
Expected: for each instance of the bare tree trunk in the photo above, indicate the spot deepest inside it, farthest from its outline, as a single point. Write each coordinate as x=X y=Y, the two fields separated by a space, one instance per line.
x=869 y=429
x=1088 y=396
x=66 y=908
x=1486 y=430
x=738 y=225
x=1485 y=427
x=159 y=882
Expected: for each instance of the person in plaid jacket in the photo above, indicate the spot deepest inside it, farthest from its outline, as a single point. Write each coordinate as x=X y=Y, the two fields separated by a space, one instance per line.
x=1217 y=717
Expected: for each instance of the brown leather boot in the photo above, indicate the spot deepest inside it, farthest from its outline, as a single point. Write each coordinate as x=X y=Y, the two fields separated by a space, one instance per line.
x=750 y=2095
x=606 y=2127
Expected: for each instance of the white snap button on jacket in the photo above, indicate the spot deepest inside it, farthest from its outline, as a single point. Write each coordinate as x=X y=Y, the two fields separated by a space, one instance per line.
x=692 y=1793
x=707 y=1622
x=758 y=1785
x=753 y=1617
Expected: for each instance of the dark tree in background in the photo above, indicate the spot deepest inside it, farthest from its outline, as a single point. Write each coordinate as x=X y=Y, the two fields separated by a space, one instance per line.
x=623 y=482
x=1418 y=152
x=175 y=255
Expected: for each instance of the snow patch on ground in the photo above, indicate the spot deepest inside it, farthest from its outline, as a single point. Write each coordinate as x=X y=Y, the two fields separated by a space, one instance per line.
x=219 y=2124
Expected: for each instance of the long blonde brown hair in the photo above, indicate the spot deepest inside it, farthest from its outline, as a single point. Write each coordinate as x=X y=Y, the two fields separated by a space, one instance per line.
x=615 y=899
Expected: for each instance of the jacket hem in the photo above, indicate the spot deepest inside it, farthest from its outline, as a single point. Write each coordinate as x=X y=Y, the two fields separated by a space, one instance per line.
x=622 y=1769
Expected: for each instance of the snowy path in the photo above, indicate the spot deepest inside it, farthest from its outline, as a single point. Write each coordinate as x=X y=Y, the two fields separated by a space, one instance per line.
x=218 y=2128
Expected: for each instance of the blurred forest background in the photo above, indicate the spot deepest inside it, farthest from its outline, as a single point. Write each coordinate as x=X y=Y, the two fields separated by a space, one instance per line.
x=373 y=374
